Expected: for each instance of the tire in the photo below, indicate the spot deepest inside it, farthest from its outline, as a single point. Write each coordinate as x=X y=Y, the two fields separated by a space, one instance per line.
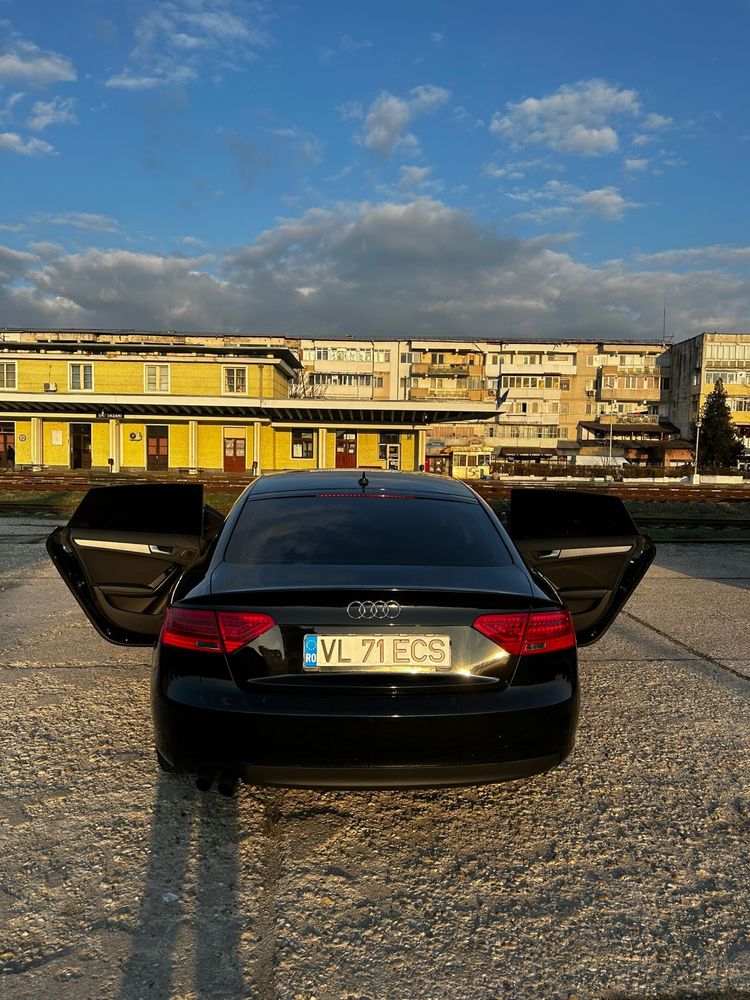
x=164 y=764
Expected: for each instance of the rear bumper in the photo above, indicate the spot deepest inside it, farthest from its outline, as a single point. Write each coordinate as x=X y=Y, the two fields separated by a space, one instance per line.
x=401 y=776
x=286 y=735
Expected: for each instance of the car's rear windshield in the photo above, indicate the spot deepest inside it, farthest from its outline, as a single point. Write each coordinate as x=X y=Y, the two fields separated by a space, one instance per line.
x=365 y=530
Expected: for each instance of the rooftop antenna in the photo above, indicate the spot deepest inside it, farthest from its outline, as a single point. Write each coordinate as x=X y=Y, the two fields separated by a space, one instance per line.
x=664 y=324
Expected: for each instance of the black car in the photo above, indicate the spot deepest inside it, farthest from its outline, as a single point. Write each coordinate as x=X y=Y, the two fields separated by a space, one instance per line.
x=355 y=629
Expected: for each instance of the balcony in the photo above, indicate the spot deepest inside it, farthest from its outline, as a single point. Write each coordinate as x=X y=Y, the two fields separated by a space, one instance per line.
x=628 y=395
x=458 y=369
x=416 y=393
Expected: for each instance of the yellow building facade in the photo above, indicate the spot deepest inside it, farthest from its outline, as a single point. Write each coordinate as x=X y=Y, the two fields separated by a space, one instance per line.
x=158 y=406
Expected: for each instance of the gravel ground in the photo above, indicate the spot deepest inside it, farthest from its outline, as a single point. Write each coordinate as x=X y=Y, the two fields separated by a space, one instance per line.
x=623 y=874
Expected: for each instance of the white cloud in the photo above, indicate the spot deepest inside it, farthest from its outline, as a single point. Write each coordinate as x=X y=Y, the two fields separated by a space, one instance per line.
x=351 y=111
x=13 y=143
x=25 y=63
x=695 y=256
x=168 y=74
x=558 y=198
x=175 y=41
x=308 y=146
x=413 y=179
x=385 y=126
x=607 y=203
x=636 y=165
x=7 y=106
x=502 y=173
x=349 y=44
x=89 y=221
x=58 y=111
x=575 y=119
x=385 y=270
x=654 y=122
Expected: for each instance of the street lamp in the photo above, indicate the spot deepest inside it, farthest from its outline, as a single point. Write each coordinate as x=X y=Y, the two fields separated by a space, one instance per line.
x=698 y=423
x=611 y=420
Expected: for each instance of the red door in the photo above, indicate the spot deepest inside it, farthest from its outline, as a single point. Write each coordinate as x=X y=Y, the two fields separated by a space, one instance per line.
x=157 y=448
x=7 y=441
x=80 y=446
x=346 y=450
x=234 y=453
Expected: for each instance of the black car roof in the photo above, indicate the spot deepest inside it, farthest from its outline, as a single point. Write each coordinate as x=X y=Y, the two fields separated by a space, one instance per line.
x=348 y=481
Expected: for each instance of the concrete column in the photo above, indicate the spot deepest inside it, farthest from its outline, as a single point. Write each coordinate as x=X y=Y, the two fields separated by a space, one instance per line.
x=114 y=444
x=322 y=446
x=420 y=449
x=256 y=445
x=37 y=443
x=193 y=446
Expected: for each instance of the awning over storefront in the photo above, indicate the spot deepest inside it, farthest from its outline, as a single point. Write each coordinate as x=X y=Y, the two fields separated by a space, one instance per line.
x=517 y=452
x=663 y=430
x=282 y=411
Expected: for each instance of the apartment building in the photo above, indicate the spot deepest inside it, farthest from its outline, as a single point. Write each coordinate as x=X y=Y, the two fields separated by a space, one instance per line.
x=347 y=370
x=697 y=364
x=347 y=401
x=130 y=401
x=552 y=388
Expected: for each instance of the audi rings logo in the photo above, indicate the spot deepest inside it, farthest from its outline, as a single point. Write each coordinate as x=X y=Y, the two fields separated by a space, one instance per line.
x=373 y=609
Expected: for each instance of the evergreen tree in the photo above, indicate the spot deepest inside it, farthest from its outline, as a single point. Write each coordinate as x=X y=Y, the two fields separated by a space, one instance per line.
x=720 y=444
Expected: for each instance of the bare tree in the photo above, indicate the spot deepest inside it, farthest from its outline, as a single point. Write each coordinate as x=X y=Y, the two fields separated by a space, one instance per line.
x=303 y=386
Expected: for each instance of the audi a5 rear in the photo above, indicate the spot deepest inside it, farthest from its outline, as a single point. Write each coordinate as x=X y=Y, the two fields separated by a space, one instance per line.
x=350 y=629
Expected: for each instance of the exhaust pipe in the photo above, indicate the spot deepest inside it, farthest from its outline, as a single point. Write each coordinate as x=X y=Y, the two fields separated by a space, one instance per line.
x=204 y=780
x=227 y=783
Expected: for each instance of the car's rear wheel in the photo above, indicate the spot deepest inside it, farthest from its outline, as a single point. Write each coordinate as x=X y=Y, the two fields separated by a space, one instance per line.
x=164 y=764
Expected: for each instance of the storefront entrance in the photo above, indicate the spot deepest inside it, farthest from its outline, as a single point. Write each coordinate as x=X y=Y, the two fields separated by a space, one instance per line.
x=234 y=449
x=157 y=448
x=80 y=446
x=7 y=441
x=346 y=450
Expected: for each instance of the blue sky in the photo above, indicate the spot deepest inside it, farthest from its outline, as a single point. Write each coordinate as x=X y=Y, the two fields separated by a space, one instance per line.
x=420 y=169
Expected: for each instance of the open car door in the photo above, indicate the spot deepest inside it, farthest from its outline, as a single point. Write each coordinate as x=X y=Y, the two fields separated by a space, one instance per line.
x=587 y=546
x=124 y=549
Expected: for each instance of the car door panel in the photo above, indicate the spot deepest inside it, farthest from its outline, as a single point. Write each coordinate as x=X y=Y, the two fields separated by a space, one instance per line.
x=125 y=548
x=587 y=546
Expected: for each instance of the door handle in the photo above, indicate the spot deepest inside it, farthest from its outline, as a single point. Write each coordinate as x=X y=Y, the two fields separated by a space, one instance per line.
x=548 y=554
x=162 y=550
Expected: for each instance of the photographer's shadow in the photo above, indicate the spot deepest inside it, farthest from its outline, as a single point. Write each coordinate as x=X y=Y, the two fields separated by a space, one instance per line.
x=188 y=930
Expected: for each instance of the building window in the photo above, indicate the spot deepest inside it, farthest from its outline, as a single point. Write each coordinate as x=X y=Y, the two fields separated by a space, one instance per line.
x=8 y=375
x=81 y=375
x=235 y=380
x=303 y=444
x=156 y=378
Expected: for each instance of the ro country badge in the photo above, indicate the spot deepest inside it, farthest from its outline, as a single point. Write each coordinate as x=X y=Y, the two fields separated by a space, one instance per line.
x=310 y=657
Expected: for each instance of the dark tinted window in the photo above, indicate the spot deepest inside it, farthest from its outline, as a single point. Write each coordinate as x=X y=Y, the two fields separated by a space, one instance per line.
x=169 y=508
x=567 y=514
x=365 y=531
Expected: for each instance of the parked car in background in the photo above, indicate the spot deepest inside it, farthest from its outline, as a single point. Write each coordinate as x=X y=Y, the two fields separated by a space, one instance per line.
x=343 y=628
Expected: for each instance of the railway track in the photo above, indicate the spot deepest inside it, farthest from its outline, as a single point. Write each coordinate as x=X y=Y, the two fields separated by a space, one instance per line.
x=488 y=489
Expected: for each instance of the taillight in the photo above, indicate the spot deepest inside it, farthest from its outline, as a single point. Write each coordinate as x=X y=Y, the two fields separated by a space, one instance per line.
x=548 y=631
x=209 y=632
x=506 y=630
x=527 y=633
x=238 y=628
